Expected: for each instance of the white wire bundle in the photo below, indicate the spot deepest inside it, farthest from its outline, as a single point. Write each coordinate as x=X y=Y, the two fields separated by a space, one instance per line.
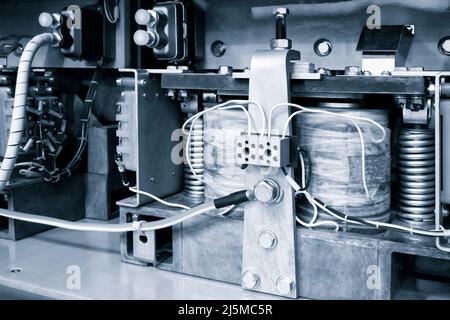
x=337 y=115
x=110 y=228
x=19 y=110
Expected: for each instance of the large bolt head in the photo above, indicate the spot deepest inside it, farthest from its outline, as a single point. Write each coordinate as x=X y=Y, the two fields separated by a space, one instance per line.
x=250 y=280
x=267 y=191
x=267 y=239
x=284 y=11
x=285 y=285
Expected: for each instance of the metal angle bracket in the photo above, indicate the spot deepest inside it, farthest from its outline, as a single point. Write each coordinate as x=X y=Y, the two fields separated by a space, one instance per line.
x=269 y=246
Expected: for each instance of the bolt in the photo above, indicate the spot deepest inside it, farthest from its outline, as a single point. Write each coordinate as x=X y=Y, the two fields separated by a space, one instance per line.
x=352 y=71
x=280 y=30
x=285 y=285
x=152 y=179
x=386 y=73
x=250 y=280
x=323 y=71
x=225 y=70
x=366 y=73
x=267 y=191
x=267 y=239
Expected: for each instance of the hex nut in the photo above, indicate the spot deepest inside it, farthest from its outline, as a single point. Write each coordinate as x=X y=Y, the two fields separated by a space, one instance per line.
x=285 y=285
x=250 y=280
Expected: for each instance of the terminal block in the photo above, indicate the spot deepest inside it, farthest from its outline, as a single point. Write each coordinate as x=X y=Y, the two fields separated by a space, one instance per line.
x=273 y=151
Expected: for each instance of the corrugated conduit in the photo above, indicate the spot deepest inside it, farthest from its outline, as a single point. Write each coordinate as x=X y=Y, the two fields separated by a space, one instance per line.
x=20 y=100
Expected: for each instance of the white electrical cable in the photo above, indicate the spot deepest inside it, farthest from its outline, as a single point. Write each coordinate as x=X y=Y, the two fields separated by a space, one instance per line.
x=19 y=110
x=166 y=203
x=111 y=18
x=312 y=223
x=110 y=228
x=347 y=117
x=335 y=114
x=172 y=204
x=232 y=104
x=296 y=187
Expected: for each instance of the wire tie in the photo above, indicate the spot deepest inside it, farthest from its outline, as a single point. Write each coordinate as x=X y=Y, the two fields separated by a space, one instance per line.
x=137 y=225
x=411 y=231
x=345 y=219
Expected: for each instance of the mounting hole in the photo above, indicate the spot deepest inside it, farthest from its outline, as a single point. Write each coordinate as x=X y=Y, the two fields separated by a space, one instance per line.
x=323 y=47
x=268 y=153
x=246 y=150
x=143 y=239
x=444 y=46
x=15 y=270
x=218 y=48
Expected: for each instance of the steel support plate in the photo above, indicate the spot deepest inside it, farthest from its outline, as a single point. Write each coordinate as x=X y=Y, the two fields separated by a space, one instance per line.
x=274 y=270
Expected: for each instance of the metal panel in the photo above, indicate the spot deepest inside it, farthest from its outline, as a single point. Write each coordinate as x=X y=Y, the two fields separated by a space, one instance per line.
x=155 y=118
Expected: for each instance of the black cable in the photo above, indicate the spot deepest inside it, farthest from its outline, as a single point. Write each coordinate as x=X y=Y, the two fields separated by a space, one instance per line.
x=83 y=135
x=308 y=178
x=232 y=199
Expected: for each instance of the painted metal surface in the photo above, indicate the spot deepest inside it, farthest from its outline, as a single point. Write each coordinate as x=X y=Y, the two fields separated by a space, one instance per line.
x=46 y=259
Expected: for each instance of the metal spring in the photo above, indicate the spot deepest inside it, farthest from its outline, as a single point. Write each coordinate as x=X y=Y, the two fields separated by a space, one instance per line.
x=417 y=173
x=192 y=186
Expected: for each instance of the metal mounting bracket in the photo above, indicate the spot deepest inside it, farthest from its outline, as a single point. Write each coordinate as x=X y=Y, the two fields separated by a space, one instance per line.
x=270 y=268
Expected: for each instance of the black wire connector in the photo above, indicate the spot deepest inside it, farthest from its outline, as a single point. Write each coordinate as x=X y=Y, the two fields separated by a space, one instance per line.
x=233 y=199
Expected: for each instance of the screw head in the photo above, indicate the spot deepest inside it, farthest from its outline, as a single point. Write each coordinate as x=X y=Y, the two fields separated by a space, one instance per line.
x=267 y=239
x=250 y=279
x=285 y=285
x=352 y=70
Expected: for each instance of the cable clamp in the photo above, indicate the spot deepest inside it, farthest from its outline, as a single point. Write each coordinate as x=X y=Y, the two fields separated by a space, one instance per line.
x=137 y=225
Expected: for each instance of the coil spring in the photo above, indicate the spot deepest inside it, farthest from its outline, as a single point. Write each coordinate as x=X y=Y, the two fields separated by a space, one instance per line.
x=194 y=188
x=417 y=173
